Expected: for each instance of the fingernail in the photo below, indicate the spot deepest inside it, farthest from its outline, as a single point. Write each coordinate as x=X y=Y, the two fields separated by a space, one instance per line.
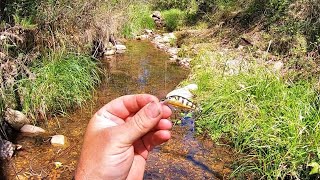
x=153 y=110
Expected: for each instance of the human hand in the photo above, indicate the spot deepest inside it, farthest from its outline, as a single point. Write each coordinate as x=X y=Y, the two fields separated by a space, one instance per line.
x=120 y=136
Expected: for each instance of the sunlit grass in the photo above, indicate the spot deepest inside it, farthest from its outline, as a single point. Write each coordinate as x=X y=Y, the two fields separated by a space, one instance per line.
x=139 y=18
x=173 y=18
x=62 y=81
x=275 y=122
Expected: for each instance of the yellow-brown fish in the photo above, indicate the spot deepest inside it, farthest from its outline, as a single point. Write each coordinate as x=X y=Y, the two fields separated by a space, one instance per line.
x=180 y=102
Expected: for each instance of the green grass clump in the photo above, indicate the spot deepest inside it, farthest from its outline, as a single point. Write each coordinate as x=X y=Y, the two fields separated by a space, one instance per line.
x=63 y=81
x=139 y=18
x=274 y=122
x=173 y=18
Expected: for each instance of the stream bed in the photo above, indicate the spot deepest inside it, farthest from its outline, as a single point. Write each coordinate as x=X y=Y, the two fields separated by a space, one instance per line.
x=142 y=69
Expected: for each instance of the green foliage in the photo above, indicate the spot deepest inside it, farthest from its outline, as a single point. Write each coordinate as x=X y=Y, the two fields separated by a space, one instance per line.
x=21 y=8
x=273 y=121
x=62 y=81
x=173 y=18
x=139 y=18
x=315 y=168
x=24 y=22
x=171 y=4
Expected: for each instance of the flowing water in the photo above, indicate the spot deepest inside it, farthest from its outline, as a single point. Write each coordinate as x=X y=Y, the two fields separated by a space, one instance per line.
x=142 y=69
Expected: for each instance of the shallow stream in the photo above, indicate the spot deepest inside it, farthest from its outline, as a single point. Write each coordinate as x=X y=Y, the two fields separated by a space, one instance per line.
x=142 y=69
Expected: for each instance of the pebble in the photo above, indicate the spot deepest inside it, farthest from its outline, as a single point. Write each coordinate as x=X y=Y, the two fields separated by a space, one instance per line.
x=58 y=140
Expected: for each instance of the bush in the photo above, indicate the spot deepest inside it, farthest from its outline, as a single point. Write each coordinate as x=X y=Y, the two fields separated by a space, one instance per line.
x=273 y=121
x=139 y=18
x=171 y=4
x=173 y=18
x=62 y=81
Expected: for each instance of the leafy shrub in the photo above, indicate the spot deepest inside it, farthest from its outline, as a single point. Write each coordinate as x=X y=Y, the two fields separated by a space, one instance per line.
x=173 y=18
x=62 y=81
x=171 y=4
x=139 y=18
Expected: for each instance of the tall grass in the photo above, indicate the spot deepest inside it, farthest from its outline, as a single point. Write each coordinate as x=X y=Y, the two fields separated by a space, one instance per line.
x=62 y=81
x=173 y=19
x=139 y=18
x=274 y=121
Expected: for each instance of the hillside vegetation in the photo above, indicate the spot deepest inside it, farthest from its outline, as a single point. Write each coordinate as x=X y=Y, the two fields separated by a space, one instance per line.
x=42 y=41
x=256 y=64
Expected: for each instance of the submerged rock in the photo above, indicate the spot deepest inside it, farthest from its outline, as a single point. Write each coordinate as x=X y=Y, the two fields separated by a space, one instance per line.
x=16 y=119
x=58 y=140
x=30 y=130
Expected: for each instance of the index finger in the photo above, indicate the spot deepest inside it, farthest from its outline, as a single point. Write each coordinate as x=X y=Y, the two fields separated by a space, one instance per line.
x=124 y=106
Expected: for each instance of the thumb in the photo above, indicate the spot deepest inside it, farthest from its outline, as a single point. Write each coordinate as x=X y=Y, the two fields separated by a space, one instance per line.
x=142 y=122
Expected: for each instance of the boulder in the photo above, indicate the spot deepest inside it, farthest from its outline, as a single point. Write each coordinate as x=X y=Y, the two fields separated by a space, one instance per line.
x=58 y=140
x=173 y=51
x=156 y=15
x=142 y=37
x=16 y=119
x=30 y=130
x=120 y=47
x=109 y=52
x=149 y=31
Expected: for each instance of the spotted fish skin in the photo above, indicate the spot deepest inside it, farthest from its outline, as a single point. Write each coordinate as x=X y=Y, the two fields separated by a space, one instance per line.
x=180 y=102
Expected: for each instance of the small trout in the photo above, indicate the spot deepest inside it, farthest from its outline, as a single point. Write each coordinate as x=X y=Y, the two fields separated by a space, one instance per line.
x=180 y=102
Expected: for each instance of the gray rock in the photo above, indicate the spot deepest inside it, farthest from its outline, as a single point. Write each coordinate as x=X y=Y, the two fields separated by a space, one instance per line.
x=120 y=47
x=30 y=130
x=173 y=51
x=58 y=140
x=109 y=52
x=277 y=66
x=16 y=118
x=7 y=149
x=149 y=31
x=120 y=51
x=156 y=14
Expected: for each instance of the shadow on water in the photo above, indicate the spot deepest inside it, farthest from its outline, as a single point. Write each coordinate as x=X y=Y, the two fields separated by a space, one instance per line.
x=188 y=157
x=189 y=123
